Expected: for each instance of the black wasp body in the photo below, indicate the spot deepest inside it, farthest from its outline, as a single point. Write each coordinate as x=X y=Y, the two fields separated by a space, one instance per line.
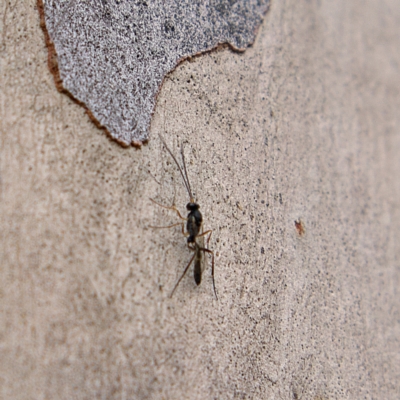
x=194 y=221
x=194 y=224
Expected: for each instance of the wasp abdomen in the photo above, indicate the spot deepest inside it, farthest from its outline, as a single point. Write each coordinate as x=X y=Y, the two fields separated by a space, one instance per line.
x=197 y=272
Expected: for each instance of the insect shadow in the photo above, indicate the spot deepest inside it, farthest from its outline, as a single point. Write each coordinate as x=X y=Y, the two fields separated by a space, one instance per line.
x=194 y=227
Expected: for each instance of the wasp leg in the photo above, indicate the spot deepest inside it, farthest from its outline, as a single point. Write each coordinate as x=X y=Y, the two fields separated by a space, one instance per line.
x=168 y=226
x=206 y=250
x=209 y=233
x=190 y=246
x=169 y=208
x=184 y=273
x=212 y=267
x=171 y=226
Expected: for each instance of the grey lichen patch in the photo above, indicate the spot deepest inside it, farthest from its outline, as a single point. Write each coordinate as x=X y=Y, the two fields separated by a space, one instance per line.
x=112 y=56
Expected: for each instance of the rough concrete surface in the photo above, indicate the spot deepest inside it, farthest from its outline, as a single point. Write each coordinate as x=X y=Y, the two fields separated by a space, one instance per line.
x=304 y=127
x=112 y=56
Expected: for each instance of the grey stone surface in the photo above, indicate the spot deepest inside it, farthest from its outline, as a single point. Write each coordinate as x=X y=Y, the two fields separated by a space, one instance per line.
x=113 y=55
x=303 y=126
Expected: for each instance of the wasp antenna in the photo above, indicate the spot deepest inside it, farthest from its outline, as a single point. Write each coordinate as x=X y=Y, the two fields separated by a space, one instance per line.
x=186 y=182
x=187 y=177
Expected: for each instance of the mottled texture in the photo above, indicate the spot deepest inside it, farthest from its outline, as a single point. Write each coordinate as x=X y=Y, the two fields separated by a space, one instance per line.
x=113 y=55
x=303 y=126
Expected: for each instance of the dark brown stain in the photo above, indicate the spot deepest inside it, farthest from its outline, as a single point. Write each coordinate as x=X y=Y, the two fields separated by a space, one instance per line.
x=300 y=227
